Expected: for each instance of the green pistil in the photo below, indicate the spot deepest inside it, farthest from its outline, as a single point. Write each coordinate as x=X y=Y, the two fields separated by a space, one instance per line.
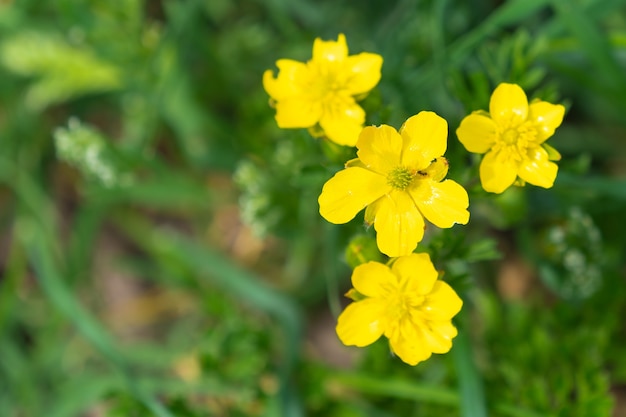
x=400 y=178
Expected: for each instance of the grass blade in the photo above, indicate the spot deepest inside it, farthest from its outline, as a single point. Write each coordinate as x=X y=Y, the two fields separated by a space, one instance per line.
x=35 y=233
x=473 y=402
x=52 y=284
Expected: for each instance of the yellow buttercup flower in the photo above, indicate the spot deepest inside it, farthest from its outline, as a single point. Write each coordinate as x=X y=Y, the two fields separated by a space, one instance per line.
x=406 y=303
x=512 y=136
x=322 y=91
x=398 y=176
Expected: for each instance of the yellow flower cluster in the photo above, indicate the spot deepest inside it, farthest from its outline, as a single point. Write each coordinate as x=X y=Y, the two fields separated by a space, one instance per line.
x=398 y=177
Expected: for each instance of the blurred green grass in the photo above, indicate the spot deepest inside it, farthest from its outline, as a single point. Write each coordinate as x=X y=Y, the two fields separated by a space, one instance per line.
x=167 y=96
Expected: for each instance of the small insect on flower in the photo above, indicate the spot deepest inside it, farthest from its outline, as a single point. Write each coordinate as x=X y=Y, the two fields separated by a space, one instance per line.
x=512 y=136
x=320 y=94
x=399 y=177
x=406 y=303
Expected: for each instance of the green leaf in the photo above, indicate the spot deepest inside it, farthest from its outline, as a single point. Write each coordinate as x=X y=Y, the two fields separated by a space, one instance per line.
x=62 y=71
x=595 y=44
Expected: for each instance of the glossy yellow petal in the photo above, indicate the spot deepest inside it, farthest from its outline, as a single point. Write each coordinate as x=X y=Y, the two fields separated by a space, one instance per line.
x=373 y=279
x=508 y=105
x=442 y=303
x=546 y=118
x=408 y=343
x=497 y=174
x=348 y=192
x=291 y=75
x=442 y=203
x=380 y=148
x=362 y=322
x=438 y=336
x=399 y=225
x=477 y=132
x=537 y=169
x=330 y=50
x=425 y=138
x=362 y=72
x=342 y=124
x=436 y=171
x=445 y=328
x=296 y=112
x=417 y=273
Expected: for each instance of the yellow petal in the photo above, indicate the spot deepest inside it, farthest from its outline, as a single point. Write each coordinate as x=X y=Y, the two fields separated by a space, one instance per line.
x=348 y=192
x=330 y=50
x=508 y=105
x=436 y=171
x=288 y=83
x=546 y=117
x=408 y=343
x=416 y=271
x=438 y=336
x=373 y=279
x=297 y=112
x=442 y=303
x=477 y=132
x=442 y=203
x=537 y=169
x=380 y=148
x=399 y=225
x=362 y=322
x=342 y=124
x=362 y=72
x=445 y=328
x=497 y=174
x=425 y=137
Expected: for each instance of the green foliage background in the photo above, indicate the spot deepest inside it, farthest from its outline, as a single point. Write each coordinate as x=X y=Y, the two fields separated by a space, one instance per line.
x=135 y=134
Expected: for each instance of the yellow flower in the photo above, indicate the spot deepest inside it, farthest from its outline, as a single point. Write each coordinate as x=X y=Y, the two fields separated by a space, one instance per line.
x=322 y=90
x=406 y=303
x=399 y=178
x=512 y=135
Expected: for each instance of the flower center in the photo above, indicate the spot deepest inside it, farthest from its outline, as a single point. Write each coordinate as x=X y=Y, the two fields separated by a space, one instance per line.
x=513 y=142
x=324 y=82
x=510 y=136
x=400 y=178
x=403 y=304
